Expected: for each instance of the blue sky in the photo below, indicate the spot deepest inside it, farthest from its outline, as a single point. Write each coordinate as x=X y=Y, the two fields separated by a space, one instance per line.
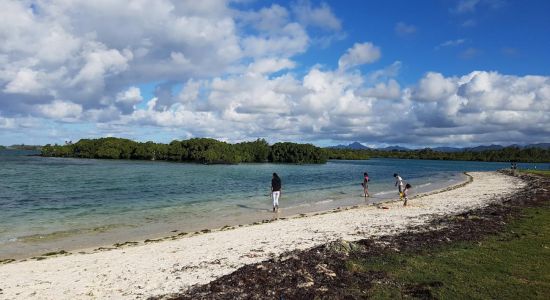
x=510 y=37
x=413 y=73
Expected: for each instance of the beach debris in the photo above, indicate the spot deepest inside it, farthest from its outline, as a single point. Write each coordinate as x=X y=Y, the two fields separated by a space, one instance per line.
x=118 y=245
x=305 y=284
x=251 y=255
x=104 y=249
x=152 y=241
x=227 y=227
x=322 y=268
x=6 y=261
x=55 y=253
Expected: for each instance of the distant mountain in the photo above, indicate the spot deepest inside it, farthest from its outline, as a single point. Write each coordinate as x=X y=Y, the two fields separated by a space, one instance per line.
x=498 y=147
x=352 y=146
x=396 y=148
x=539 y=145
x=484 y=148
x=491 y=147
x=359 y=146
x=447 y=149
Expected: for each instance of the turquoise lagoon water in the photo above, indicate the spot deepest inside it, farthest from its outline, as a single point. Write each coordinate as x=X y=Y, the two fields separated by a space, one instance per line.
x=49 y=204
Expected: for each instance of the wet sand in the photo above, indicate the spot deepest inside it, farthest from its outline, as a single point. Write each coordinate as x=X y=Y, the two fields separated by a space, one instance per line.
x=176 y=263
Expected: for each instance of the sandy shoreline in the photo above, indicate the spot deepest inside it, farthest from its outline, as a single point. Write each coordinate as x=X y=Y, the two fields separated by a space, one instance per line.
x=174 y=265
x=112 y=235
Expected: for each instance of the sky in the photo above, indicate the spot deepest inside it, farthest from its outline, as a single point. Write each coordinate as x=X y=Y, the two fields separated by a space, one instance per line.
x=409 y=73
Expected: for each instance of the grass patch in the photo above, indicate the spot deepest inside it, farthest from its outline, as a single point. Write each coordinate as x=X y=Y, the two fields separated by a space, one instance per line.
x=545 y=173
x=511 y=265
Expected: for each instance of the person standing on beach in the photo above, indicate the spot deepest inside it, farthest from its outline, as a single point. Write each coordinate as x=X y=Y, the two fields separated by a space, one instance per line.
x=399 y=184
x=365 y=184
x=275 y=191
x=406 y=193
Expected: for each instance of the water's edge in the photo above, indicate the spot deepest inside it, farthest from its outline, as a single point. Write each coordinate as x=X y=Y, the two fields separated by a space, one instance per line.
x=125 y=240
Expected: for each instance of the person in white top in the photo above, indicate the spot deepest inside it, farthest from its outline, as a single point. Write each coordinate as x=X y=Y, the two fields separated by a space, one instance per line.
x=399 y=184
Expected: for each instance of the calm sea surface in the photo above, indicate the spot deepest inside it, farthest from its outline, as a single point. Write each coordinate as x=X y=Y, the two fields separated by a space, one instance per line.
x=49 y=204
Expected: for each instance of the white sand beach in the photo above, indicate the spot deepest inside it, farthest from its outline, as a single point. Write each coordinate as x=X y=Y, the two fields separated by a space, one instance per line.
x=174 y=265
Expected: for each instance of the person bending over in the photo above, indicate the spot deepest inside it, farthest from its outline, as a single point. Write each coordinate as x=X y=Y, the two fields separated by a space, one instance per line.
x=399 y=184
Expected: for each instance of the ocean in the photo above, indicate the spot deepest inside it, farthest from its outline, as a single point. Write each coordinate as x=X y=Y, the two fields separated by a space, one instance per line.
x=49 y=204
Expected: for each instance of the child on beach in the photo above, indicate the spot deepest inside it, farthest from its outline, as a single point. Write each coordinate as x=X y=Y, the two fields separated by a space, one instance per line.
x=406 y=193
x=275 y=191
x=399 y=184
x=365 y=184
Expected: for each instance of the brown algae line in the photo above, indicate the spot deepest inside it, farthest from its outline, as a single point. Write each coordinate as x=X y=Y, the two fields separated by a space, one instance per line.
x=228 y=227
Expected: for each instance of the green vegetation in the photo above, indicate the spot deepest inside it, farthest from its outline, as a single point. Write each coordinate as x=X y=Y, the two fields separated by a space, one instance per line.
x=349 y=154
x=545 y=173
x=505 y=154
x=511 y=265
x=296 y=153
x=211 y=151
x=200 y=150
x=2 y=147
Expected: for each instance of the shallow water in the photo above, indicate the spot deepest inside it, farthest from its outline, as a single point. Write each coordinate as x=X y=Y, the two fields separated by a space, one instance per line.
x=49 y=204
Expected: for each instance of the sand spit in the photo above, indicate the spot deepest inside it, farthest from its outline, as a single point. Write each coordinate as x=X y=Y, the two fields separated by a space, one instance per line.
x=174 y=265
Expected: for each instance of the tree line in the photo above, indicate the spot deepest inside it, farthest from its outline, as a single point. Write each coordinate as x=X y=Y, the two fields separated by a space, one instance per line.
x=198 y=150
x=211 y=151
x=501 y=155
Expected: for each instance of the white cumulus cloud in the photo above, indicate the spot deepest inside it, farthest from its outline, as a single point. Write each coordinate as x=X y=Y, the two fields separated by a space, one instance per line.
x=232 y=73
x=60 y=110
x=359 y=54
x=321 y=16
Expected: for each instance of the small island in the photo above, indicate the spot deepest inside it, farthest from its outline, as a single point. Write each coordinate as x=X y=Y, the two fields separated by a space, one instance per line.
x=197 y=150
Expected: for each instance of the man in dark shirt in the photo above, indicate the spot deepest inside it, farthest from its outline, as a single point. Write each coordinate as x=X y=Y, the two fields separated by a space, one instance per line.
x=275 y=191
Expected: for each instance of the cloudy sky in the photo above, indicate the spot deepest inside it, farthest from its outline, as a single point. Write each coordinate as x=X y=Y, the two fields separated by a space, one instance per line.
x=413 y=73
